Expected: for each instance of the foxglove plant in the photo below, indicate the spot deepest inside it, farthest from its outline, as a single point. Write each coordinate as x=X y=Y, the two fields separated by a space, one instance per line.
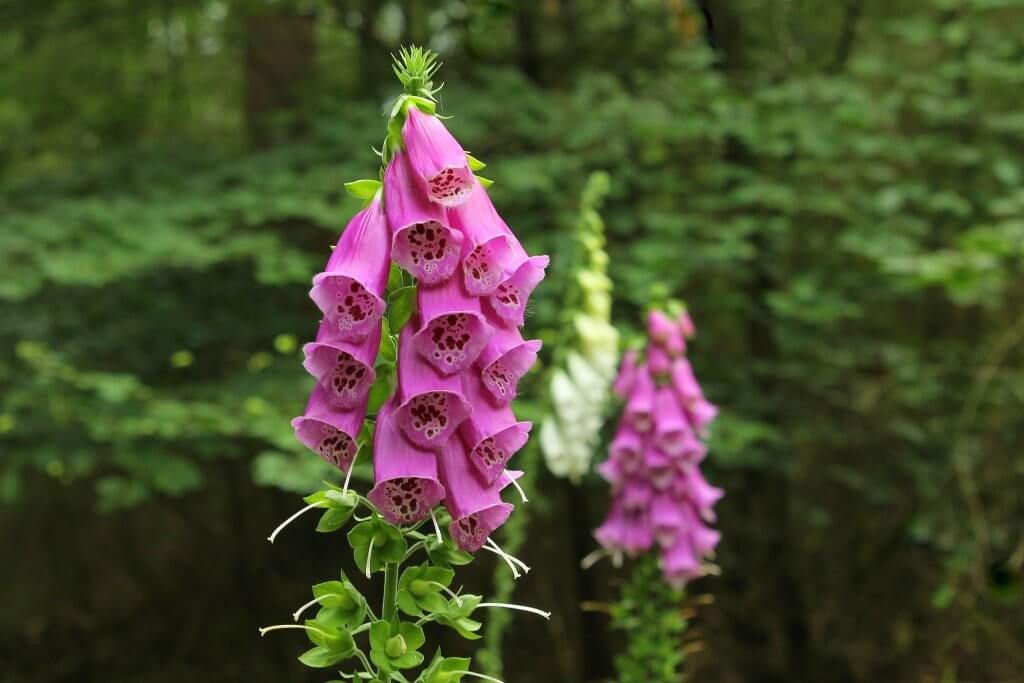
x=579 y=387
x=416 y=359
x=660 y=500
x=659 y=496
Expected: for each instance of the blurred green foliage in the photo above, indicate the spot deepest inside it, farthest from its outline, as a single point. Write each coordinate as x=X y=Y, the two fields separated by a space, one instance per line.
x=834 y=187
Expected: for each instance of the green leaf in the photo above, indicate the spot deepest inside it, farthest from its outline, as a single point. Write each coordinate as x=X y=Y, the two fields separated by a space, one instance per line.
x=333 y=519
x=382 y=389
x=401 y=306
x=388 y=543
x=446 y=554
x=363 y=189
x=485 y=182
x=396 y=277
x=387 y=354
x=474 y=163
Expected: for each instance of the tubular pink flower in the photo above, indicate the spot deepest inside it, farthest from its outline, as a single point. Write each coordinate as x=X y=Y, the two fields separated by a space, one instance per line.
x=686 y=325
x=679 y=563
x=658 y=361
x=437 y=159
x=659 y=327
x=329 y=432
x=454 y=331
x=627 y=448
x=636 y=495
x=624 y=530
x=703 y=539
x=612 y=471
x=639 y=411
x=344 y=369
x=511 y=297
x=407 y=486
x=422 y=242
x=701 y=414
x=627 y=374
x=491 y=435
x=685 y=383
x=671 y=427
x=668 y=519
x=505 y=359
x=487 y=250
x=476 y=509
x=432 y=405
x=676 y=344
x=659 y=468
x=350 y=291
x=695 y=488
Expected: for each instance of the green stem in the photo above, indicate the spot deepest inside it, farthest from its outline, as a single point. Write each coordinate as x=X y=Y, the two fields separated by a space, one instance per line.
x=389 y=610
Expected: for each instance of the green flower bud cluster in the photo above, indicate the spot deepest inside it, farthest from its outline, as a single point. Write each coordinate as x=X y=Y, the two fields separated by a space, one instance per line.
x=579 y=388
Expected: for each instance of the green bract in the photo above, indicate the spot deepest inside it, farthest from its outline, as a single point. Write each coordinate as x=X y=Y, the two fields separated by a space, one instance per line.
x=420 y=587
x=396 y=646
x=375 y=543
x=340 y=604
x=456 y=616
x=444 y=670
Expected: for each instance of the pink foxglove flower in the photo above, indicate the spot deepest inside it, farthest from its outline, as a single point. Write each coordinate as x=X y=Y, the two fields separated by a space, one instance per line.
x=487 y=251
x=422 y=241
x=436 y=159
x=491 y=434
x=350 y=291
x=476 y=508
x=407 y=486
x=686 y=325
x=454 y=331
x=504 y=361
x=513 y=294
x=328 y=431
x=344 y=369
x=432 y=405
x=659 y=495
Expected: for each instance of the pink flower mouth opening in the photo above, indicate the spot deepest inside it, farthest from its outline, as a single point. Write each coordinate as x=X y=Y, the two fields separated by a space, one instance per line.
x=346 y=378
x=472 y=531
x=429 y=250
x=351 y=309
x=406 y=500
x=330 y=443
x=451 y=342
x=451 y=186
x=430 y=419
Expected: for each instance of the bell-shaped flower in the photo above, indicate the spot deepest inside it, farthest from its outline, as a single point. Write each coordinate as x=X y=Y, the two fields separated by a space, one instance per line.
x=328 y=431
x=454 y=331
x=487 y=252
x=612 y=472
x=659 y=468
x=407 y=485
x=438 y=161
x=422 y=241
x=694 y=487
x=504 y=360
x=659 y=327
x=679 y=563
x=625 y=530
x=701 y=414
x=491 y=434
x=658 y=361
x=350 y=291
x=344 y=369
x=685 y=383
x=668 y=519
x=671 y=428
x=686 y=325
x=476 y=508
x=627 y=448
x=510 y=299
x=432 y=405
x=636 y=495
x=676 y=344
x=639 y=412
x=703 y=539
x=627 y=374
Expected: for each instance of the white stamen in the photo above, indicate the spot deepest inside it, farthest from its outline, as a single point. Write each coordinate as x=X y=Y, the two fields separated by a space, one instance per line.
x=522 y=493
x=291 y=519
x=508 y=561
x=473 y=673
x=302 y=609
x=521 y=608
x=525 y=567
x=437 y=528
x=281 y=627
x=455 y=596
x=369 y=554
x=593 y=558
x=348 y=475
